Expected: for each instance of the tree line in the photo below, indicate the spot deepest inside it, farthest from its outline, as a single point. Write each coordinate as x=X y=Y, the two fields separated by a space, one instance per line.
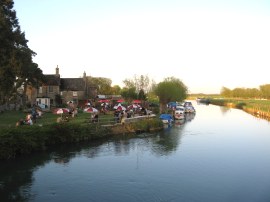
x=263 y=92
x=143 y=88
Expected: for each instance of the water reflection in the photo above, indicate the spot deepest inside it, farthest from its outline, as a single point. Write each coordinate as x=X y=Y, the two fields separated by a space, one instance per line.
x=224 y=161
x=189 y=117
x=16 y=176
x=224 y=110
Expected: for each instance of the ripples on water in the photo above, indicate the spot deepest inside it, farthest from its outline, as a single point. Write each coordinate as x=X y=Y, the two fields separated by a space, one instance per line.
x=219 y=155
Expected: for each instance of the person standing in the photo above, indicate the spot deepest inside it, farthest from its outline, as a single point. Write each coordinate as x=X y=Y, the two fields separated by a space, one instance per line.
x=34 y=115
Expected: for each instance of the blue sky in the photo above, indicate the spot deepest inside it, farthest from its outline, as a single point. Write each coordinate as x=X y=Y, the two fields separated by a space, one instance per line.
x=207 y=44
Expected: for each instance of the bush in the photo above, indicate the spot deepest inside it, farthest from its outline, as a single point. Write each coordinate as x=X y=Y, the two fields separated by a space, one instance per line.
x=147 y=125
x=240 y=105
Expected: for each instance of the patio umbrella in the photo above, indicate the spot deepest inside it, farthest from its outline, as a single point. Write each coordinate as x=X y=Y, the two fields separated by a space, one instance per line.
x=88 y=104
x=120 y=100
x=136 y=101
x=120 y=108
x=102 y=101
x=90 y=110
x=136 y=106
x=117 y=105
x=61 y=111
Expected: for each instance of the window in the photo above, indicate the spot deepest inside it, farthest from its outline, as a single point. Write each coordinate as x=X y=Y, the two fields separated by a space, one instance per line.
x=75 y=94
x=40 y=90
x=50 y=88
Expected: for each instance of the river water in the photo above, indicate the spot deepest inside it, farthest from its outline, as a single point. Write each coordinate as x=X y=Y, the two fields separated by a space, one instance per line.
x=218 y=155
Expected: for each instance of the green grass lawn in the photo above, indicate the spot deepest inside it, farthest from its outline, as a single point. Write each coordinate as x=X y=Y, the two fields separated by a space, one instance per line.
x=9 y=118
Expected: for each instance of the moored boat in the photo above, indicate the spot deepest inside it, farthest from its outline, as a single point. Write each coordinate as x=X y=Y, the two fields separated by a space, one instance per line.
x=166 y=118
x=189 y=107
x=179 y=113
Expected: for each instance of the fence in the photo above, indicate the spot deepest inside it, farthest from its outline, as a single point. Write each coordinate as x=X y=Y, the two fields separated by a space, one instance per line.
x=6 y=107
x=115 y=120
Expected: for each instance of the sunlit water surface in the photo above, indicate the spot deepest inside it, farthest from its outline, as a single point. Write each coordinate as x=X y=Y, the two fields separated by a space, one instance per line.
x=217 y=155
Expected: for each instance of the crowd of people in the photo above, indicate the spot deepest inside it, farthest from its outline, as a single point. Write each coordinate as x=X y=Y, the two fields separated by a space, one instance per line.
x=120 y=113
x=31 y=118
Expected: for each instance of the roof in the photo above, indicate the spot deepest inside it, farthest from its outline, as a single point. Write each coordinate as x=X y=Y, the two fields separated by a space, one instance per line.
x=72 y=84
x=52 y=80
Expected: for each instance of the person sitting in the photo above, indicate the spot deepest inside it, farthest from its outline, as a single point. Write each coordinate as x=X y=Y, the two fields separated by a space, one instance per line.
x=95 y=118
x=39 y=113
x=59 y=120
x=28 y=120
x=143 y=112
x=65 y=118
x=20 y=122
x=116 y=116
x=124 y=117
x=75 y=112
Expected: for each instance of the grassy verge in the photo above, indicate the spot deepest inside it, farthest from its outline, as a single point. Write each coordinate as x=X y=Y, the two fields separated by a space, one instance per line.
x=255 y=107
x=23 y=140
x=46 y=132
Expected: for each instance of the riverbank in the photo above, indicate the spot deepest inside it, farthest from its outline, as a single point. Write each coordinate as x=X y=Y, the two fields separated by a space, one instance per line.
x=15 y=141
x=258 y=108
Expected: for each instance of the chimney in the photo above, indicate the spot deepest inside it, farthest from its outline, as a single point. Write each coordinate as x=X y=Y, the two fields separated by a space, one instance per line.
x=84 y=75
x=57 y=71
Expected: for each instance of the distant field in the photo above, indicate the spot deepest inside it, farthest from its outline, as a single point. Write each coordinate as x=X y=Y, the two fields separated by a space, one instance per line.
x=195 y=96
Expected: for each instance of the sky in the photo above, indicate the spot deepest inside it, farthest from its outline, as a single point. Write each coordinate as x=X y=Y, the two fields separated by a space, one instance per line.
x=207 y=44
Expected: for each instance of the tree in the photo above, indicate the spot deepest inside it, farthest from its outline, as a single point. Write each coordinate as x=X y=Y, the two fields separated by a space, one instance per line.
x=129 y=94
x=225 y=92
x=253 y=93
x=171 y=89
x=103 y=85
x=141 y=95
x=141 y=84
x=16 y=65
x=116 y=89
x=238 y=92
x=265 y=91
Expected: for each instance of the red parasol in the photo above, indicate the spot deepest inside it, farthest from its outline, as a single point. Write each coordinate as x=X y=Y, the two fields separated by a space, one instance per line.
x=120 y=100
x=104 y=101
x=61 y=111
x=90 y=110
x=136 y=101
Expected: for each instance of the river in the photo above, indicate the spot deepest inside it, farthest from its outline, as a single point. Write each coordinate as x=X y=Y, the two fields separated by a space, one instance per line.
x=218 y=155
